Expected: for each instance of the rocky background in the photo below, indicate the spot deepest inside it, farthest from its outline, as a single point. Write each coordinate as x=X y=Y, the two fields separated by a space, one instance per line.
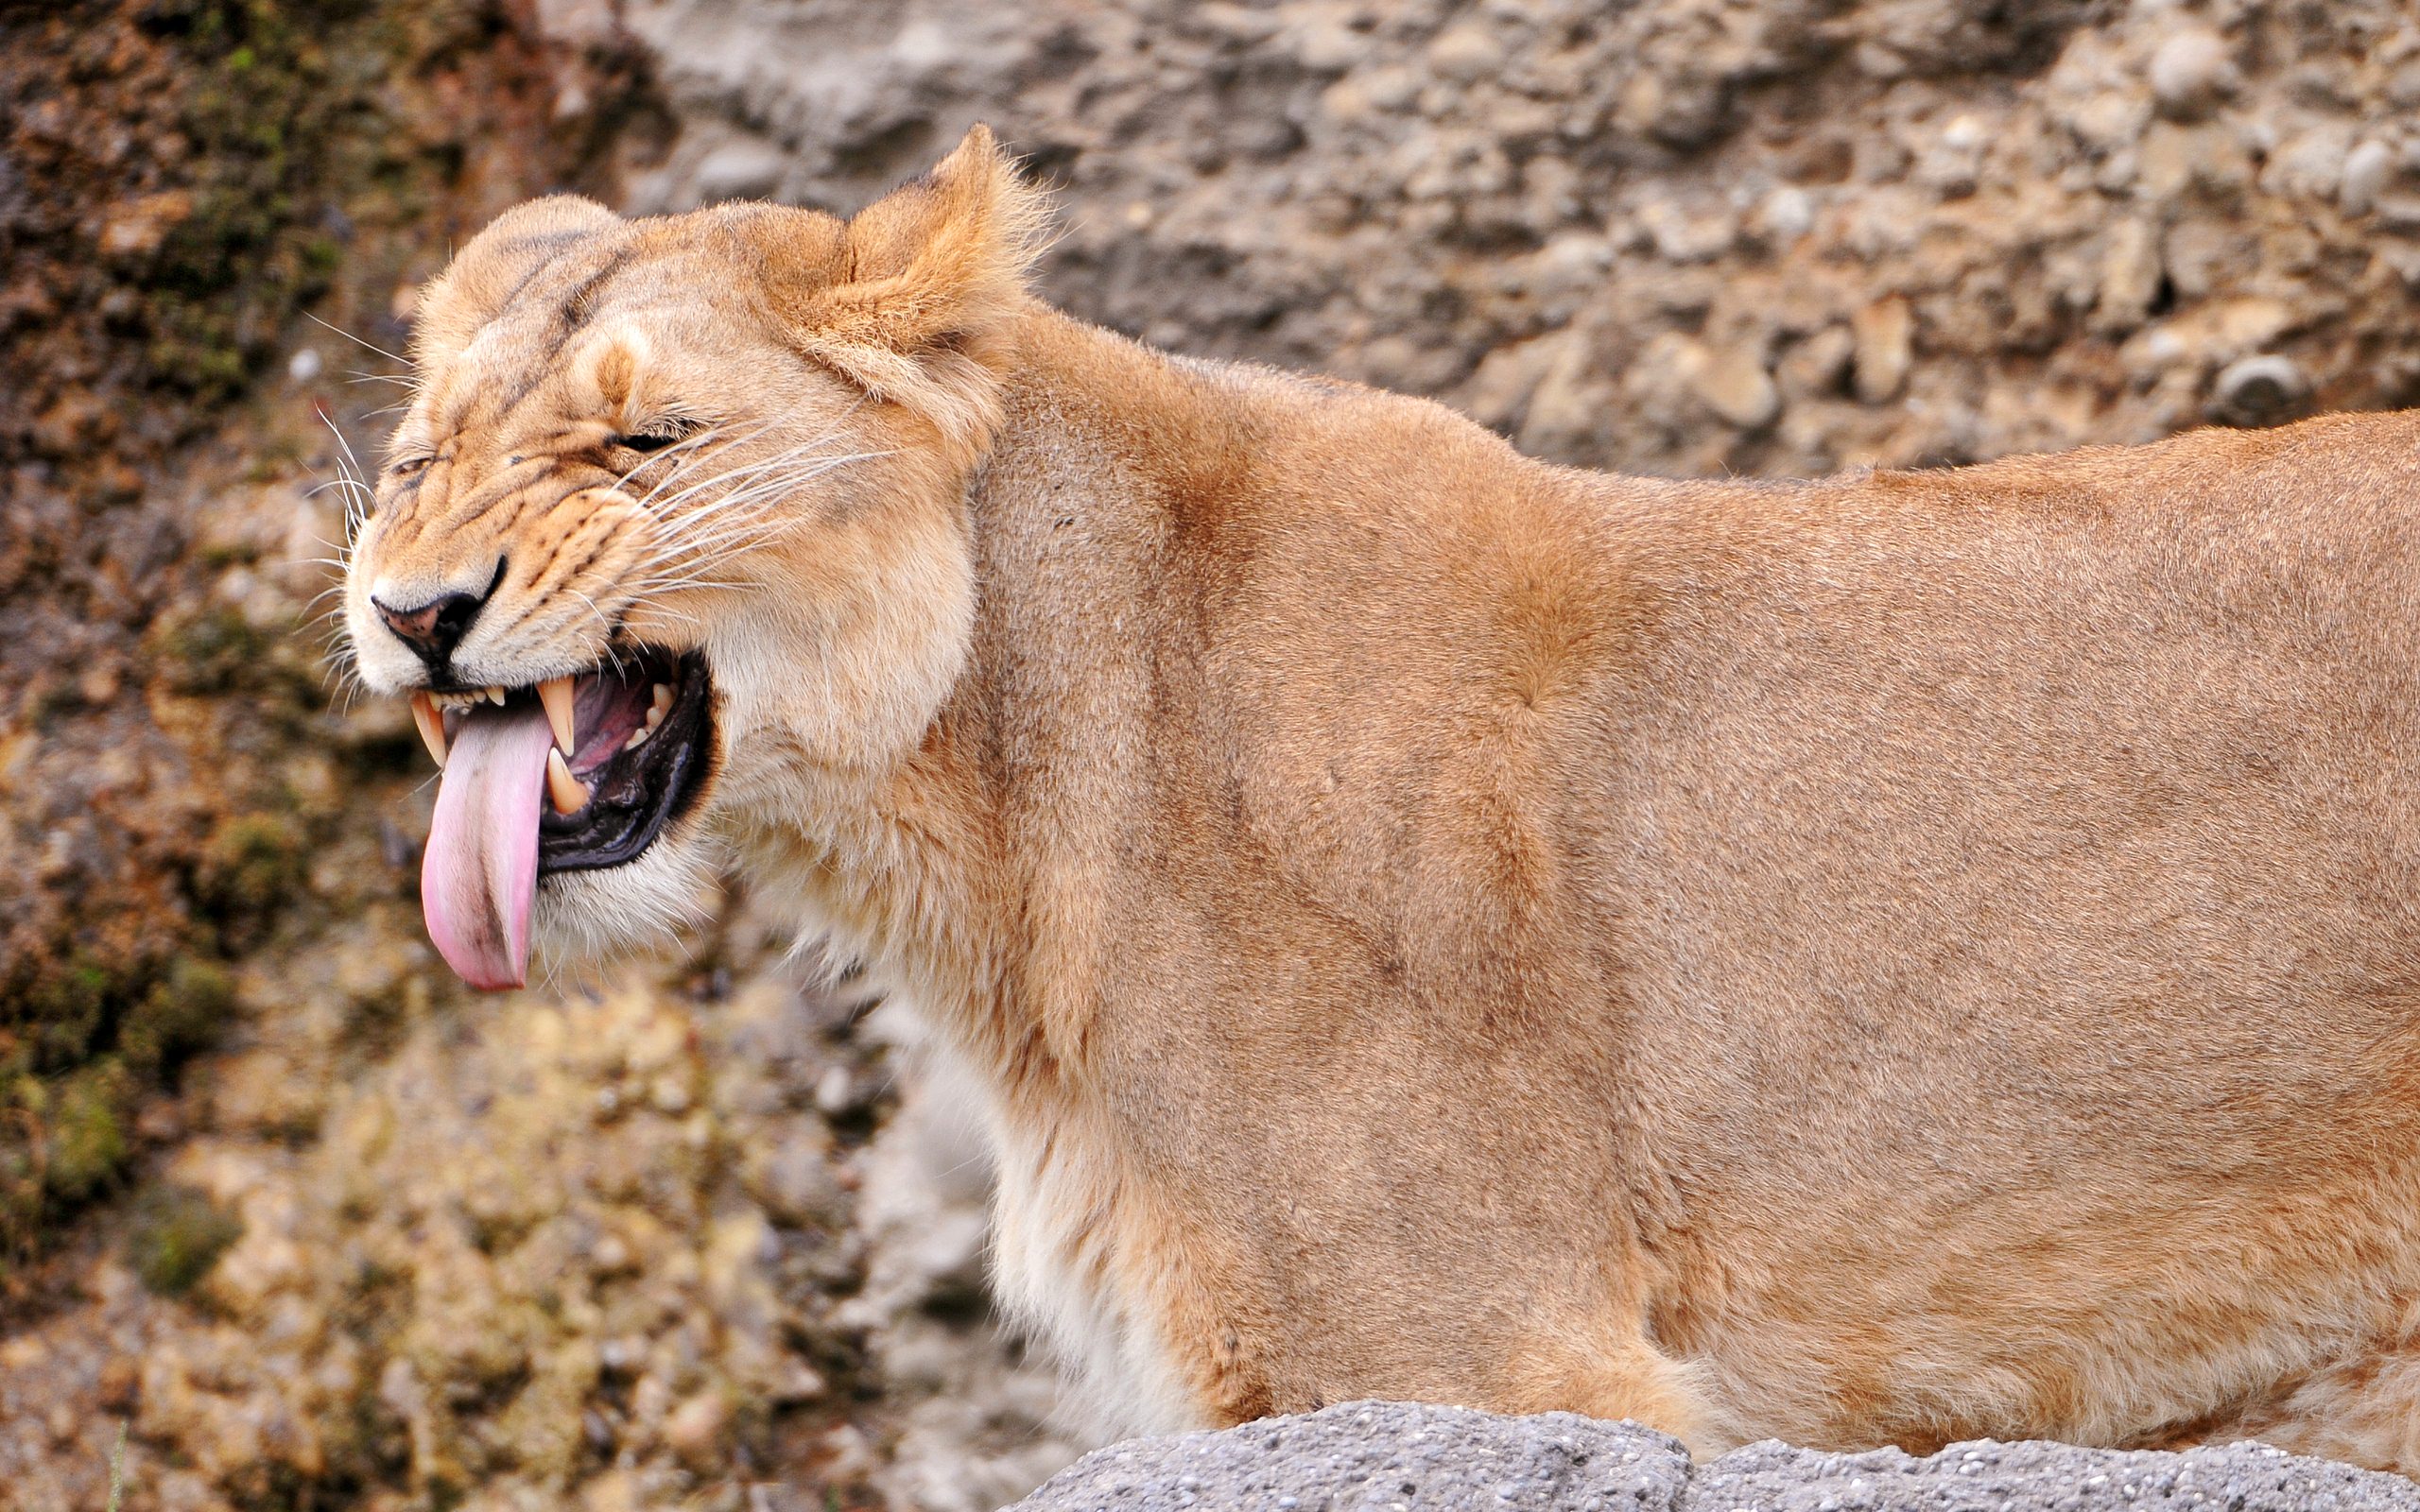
x=320 y=1229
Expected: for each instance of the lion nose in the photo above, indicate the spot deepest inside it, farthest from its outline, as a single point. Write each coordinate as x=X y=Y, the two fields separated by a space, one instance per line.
x=434 y=628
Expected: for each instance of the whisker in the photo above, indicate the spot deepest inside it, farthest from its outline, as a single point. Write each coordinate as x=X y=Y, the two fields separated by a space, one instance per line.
x=687 y=444
x=356 y=340
x=698 y=446
x=746 y=468
x=745 y=471
x=337 y=432
x=742 y=510
x=668 y=584
x=758 y=488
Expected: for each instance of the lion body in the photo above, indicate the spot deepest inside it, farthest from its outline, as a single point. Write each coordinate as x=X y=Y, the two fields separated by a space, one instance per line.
x=1888 y=959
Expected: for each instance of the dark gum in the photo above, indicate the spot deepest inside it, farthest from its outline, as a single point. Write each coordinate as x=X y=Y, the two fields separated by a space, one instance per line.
x=634 y=793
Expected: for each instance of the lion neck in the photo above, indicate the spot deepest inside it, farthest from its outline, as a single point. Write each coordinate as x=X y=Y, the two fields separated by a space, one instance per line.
x=968 y=867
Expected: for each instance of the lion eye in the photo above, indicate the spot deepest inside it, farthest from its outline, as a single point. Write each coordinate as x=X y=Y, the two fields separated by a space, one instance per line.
x=404 y=467
x=647 y=442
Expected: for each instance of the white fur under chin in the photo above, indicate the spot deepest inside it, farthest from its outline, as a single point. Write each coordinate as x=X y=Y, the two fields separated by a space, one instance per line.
x=1117 y=1379
x=584 y=920
x=1120 y=1383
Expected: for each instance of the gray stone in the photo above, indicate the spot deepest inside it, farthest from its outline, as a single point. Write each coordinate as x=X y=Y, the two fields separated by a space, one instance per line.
x=2039 y=1477
x=742 y=168
x=1388 y=1455
x=1381 y=1455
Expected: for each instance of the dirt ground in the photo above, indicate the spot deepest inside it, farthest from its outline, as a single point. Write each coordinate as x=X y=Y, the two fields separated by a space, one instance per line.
x=322 y=1229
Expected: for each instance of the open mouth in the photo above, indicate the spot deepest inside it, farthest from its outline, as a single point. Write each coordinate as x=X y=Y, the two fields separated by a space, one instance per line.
x=571 y=774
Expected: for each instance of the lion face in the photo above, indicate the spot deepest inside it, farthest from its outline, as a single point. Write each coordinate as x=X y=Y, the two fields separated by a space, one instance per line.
x=676 y=510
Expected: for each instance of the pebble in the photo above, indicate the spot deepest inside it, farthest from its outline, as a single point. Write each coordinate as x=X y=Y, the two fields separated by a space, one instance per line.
x=1465 y=53
x=835 y=1092
x=1787 y=214
x=798 y=1185
x=1735 y=384
x=2367 y=168
x=2191 y=70
x=1885 y=335
x=2260 y=390
x=693 y=1431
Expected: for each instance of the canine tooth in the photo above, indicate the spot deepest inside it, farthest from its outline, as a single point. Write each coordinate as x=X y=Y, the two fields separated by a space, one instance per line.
x=569 y=793
x=654 y=718
x=663 y=699
x=432 y=726
x=638 y=736
x=555 y=692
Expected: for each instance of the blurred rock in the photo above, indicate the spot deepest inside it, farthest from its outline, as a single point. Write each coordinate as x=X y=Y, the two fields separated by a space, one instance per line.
x=2262 y=390
x=1733 y=385
x=1882 y=331
x=2190 y=69
x=2367 y=169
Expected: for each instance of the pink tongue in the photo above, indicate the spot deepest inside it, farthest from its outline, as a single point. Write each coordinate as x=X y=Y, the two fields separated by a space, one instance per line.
x=481 y=871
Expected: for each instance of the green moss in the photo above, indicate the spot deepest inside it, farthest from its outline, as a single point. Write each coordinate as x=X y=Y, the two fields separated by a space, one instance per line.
x=259 y=112
x=87 y=1140
x=23 y=1101
x=66 y=1010
x=227 y=554
x=213 y=650
x=254 y=861
x=292 y=130
x=279 y=455
x=90 y=1036
x=183 y=1013
x=178 y=1234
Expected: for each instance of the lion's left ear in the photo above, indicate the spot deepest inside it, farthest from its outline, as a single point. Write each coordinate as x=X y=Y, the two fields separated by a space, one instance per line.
x=929 y=277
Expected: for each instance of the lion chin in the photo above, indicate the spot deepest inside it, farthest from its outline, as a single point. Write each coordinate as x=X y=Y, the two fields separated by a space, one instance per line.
x=585 y=919
x=1888 y=959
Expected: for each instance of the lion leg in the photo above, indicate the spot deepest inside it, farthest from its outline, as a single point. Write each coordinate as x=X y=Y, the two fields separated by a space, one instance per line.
x=2364 y=1411
x=1634 y=1381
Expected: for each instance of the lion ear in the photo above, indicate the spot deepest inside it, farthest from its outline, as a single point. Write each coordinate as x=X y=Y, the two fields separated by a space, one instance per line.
x=485 y=275
x=925 y=278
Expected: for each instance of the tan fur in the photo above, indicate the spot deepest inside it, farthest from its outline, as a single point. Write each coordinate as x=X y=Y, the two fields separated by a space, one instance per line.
x=1887 y=959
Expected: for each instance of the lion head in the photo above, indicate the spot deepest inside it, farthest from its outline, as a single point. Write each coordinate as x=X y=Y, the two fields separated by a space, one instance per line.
x=676 y=511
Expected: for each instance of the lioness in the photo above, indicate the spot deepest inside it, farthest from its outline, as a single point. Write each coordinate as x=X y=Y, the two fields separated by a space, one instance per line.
x=1891 y=959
